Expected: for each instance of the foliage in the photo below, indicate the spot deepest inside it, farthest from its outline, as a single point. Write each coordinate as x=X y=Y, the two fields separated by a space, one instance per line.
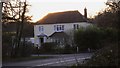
x=59 y=50
x=94 y=37
x=28 y=30
x=86 y=38
x=6 y=44
x=52 y=48
x=109 y=17
x=108 y=20
x=7 y=39
x=26 y=49
x=68 y=49
x=47 y=48
x=14 y=12
x=107 y=56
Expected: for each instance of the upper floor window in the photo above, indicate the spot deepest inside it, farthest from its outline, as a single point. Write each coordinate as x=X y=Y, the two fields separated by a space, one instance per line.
x=59 y=27
x=41 y=29
x=76 y=26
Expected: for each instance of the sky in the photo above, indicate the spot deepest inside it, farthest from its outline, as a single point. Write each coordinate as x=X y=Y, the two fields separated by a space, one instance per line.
x=40 y=8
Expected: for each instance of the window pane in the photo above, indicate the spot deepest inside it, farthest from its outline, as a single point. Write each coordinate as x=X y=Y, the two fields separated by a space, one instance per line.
x=62 y=27
x=41 y=28
x=76 y=26
x=57 y=28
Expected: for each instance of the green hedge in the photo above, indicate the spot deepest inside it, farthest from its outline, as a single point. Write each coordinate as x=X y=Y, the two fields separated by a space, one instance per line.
x=94 y=37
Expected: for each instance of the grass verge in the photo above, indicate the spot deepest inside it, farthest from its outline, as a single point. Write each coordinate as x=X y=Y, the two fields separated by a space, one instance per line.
x=7 y=59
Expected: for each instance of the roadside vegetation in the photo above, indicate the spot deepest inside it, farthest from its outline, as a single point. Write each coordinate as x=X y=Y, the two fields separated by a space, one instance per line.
x=104 y=38
x=52 y=48
x=107 y=56
x=7 y=59
x=16 y=28
x=94 y=38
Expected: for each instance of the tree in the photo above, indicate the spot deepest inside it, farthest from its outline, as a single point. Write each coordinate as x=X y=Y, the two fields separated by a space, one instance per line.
x=14 y=11
x=108 y=20
x=109 y=17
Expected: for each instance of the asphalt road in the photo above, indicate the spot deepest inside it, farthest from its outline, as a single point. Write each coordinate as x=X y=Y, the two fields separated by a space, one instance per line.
x=59 y=60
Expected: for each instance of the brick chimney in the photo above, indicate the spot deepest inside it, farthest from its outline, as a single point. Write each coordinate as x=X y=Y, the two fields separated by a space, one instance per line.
x=85 y=13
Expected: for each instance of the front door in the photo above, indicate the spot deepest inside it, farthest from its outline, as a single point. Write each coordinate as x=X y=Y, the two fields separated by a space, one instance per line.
x=41 y=40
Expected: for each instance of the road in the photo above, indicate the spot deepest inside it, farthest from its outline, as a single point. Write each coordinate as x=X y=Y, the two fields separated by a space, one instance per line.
x=59 y=60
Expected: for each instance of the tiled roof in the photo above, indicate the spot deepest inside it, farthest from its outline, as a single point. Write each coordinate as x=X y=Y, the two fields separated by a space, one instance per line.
x=62 y=17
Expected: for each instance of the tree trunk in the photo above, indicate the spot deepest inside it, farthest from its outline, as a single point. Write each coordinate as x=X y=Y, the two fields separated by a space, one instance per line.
x=19 y=32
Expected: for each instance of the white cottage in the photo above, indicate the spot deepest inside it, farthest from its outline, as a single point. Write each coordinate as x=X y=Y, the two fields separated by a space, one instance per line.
x=53 y=27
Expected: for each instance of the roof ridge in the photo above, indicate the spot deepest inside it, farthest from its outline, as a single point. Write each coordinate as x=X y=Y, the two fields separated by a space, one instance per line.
x=65 y=16
x=64 y=11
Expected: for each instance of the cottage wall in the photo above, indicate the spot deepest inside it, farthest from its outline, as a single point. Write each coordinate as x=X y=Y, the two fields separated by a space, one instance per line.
x=49 y=29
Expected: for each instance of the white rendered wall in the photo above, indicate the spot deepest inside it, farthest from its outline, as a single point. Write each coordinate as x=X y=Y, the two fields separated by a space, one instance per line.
x=48 y=29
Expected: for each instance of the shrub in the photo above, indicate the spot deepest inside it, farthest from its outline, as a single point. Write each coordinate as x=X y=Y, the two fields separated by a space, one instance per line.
x=87 y=38
x=107 y=56
x=68 y=49
x=94 y=37
x=26 y=49
x=48 y=48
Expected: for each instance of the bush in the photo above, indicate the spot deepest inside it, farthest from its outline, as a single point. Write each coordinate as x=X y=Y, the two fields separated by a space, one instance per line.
x=87 y=38
x=26 y=49
x=94 y=37
x=47 y=48
x=68 y=49
x=6 y=45
x=107 y=56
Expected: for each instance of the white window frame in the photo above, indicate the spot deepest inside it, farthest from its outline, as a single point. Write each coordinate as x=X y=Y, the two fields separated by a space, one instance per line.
x=76 y=26
x=41 y=28
x=58 y=28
